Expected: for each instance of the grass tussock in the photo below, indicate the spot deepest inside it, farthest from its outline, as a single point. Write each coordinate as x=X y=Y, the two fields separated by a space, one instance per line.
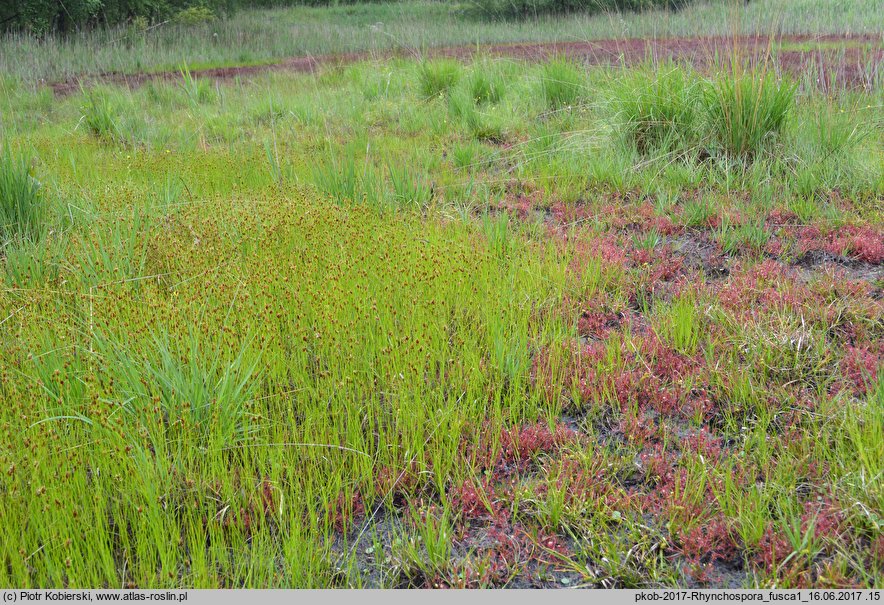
x=102 y=115
x=197 y=90
x=659 y=110
x=22 y=204
x=748 y=109
x=437 y=77
x=561 y=83
x=735 y=114
x=487 y=84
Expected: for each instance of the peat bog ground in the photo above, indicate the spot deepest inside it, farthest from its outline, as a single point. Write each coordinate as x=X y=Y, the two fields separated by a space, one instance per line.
x=516 y=318
x=830 y=62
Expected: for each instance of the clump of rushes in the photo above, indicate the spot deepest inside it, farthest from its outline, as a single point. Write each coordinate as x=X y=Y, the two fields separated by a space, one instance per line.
x=561 y=83
x=409 y=187
x=22 y=208
x=101 y=115
x=658 y=111
x=751 y=235
x=746 y=108
x=196 y=90
x=679 y=324
x=438 y=77
x=338 y=178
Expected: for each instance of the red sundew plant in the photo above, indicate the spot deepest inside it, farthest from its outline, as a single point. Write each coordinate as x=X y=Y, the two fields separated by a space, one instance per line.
x=826 y=517
x=513 y=546
x=658 y=264
x=674 y=499
x=542 y=375
x=700 y=406
x=696 y=386
x=773 y=549
x=834 y=284
x=520 y=204
x=642 y=257
x=595 y=386
x=267 y=496
x=807 y=237
x=780 y=216
x=768 y=271
x=474 y=500
x=586 y=363
x=703 y=574
x=668 y=266
x=398 y=484
x=649 y=378
x=705 y=444
x=647 y=391
x=438 y=582
x=551 y=369
x=659 y=468
x=343 y=511
x=615 y=216
x=826 y=521
x=829 y=574
x=709 y=540
x=860 y=367
x=665 y=226
x=665 y=362
x=551 y=550
x=652 y=222
x=498 y=547
x=598 y=325
x=245 y=520
x=852 y=321
x=774 y=247
x=877 y=553
x=862 y=243
x=519 y=445
x=605 y=247
x=641 y=430
x=765 y=286
x=566 y=214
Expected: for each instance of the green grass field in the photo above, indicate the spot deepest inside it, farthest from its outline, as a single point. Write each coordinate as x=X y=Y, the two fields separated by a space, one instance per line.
x=426 y=324
x=255 y=37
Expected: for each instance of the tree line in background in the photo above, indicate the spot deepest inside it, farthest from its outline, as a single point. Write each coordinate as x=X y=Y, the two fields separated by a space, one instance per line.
x=44 y=16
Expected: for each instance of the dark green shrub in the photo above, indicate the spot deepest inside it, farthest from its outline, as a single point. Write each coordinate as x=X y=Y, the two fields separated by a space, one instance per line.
x=46 y=16
x=195 y=15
